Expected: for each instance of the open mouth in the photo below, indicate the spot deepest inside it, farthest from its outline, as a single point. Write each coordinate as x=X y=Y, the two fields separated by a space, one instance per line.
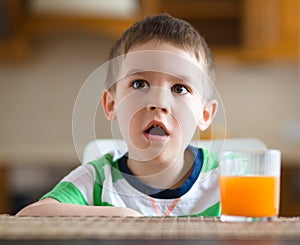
x=156 y=132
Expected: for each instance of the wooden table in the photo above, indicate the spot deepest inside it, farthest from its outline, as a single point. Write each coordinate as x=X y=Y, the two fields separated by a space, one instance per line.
x=168 y=230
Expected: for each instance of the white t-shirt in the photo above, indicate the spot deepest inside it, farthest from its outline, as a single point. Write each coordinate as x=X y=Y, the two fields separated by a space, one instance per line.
x=105 y=182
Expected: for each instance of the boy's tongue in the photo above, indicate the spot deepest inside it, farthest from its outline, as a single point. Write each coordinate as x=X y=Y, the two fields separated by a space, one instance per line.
x=157 y=131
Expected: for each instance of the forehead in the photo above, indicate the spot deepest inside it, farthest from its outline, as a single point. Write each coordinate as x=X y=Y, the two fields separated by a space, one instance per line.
x=165 y=47
x=163 y=62
x=162 y=57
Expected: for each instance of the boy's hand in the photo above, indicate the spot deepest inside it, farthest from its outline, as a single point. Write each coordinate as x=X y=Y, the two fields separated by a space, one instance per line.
x=51 y=207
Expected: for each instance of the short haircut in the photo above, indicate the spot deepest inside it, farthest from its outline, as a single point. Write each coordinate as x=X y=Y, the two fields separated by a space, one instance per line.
x=165 y=28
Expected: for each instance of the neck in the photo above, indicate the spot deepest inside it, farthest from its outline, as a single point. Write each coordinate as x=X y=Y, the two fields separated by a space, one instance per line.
x=163 y=174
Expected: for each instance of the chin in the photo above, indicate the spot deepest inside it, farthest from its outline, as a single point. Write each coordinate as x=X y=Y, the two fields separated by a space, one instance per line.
x=163 y=150
x=157 y=155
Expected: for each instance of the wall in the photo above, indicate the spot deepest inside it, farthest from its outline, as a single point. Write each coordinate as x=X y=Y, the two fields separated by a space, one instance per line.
x=263 y=100
x=37 y=97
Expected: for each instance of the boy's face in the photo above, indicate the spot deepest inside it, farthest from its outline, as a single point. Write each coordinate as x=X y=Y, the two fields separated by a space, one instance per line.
x=157 y=112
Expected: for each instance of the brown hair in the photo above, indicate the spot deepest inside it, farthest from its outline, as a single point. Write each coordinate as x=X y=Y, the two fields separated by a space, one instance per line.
x=165 y=28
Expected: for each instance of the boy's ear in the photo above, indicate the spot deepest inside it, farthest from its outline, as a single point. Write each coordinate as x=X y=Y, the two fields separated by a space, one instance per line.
x=209 y=111
x=108 y=105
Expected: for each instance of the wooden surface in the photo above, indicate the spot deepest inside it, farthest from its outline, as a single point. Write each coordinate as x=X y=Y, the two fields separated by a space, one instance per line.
x=116 y=228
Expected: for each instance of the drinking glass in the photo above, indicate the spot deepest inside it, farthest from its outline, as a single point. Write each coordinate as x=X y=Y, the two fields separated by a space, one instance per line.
x=250 y=185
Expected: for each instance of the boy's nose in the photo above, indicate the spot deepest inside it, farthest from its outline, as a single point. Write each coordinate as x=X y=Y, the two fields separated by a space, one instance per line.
x=159 y=100
x=153 y=108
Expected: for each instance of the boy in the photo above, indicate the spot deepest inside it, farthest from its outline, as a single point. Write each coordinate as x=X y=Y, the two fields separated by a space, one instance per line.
x=158 y=111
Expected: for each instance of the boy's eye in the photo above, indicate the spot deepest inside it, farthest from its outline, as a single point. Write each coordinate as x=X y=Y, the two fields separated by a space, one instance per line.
x=140 y=84
x=179 y=89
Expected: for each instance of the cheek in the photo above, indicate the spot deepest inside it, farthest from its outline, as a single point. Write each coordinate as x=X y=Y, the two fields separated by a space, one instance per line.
x=127 y=109
x=187 y=115
x=186 y=122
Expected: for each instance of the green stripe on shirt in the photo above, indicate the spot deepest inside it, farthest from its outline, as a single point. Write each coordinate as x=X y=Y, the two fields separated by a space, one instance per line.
x=212 y=211
x=210 y=161
x=66 y=192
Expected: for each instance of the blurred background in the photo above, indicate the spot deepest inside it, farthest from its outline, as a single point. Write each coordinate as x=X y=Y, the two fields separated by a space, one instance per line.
x=49 y=48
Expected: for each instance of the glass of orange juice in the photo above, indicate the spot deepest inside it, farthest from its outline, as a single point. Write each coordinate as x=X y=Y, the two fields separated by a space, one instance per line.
x=250 y=185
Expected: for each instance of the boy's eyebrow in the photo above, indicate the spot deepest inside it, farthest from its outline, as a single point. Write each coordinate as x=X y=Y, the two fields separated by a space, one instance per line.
x=185 y=78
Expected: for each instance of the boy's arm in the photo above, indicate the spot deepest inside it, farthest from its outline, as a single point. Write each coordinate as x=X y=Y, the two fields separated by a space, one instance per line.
x=52 y=207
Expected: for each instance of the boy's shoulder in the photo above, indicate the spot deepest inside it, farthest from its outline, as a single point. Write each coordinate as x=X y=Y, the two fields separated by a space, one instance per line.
x=106 y=159
x=105 y=166
x=210 y=160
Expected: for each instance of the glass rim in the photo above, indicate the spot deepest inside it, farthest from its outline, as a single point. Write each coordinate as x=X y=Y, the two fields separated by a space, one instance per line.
x=252 y=152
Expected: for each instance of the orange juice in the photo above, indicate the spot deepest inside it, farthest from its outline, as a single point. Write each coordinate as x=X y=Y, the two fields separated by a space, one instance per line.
x=250 y=196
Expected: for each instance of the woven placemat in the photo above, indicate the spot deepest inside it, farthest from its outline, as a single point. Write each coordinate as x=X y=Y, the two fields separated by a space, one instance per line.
x=130 y=228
